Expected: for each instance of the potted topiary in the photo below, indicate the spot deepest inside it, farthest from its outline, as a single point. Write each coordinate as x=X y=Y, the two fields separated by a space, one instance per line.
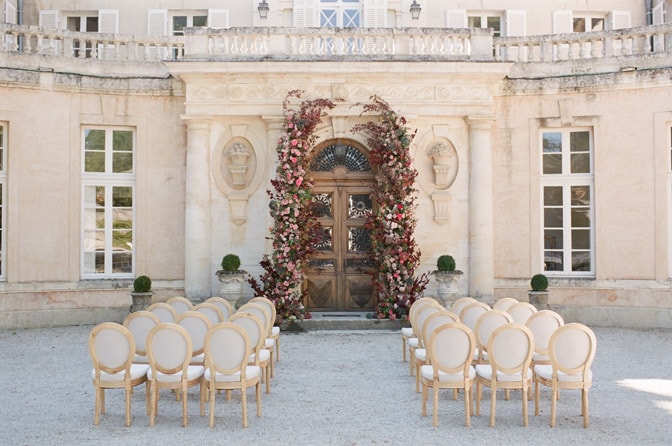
x=445 y=275
x=141 y=294
x=538 y=295
x=231 y=279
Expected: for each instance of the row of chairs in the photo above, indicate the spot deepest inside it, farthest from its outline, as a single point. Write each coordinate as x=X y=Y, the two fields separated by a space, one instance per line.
x=502 y=353
x=190 y=350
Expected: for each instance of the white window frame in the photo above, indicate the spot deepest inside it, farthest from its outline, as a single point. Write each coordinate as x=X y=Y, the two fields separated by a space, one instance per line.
x=108 y=180
x=484 y=15
x=341 y=6
x=567 y=180
x=3 y=195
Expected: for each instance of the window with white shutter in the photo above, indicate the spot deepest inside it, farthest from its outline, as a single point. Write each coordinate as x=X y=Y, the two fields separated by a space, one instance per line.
x=457 y=18
x=619 y=19
x=304 y=13
x=375 y=14
x=218 y=18
x=515 y=22
x=49 y=18
x=562 y=22
x=157 y=22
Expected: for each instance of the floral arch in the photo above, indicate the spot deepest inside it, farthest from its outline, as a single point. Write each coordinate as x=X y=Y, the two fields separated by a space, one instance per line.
x=296 y=233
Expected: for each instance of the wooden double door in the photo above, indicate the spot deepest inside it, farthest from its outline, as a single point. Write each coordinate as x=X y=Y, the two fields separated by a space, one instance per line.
x=339 y=273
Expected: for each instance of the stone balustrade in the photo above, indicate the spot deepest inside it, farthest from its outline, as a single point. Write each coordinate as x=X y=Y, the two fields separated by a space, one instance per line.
x=44 y=41
x=642 y=41
x=434 y=44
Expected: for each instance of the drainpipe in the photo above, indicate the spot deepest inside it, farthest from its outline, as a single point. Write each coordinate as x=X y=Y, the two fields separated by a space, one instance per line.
x=649 y=11
x=19 y=21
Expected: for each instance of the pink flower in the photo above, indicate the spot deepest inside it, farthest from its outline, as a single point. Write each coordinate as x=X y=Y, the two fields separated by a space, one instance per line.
x=299 y=181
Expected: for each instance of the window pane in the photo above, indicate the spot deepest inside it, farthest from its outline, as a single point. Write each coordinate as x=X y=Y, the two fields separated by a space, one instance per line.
x=91 y=25
x=597 y=24
x=553 y=217
x=553 y=261
x=581 y=261
x=94 y=139
x=360 y=206
x=323 y=205
x=474 y=22
x=552 y=142
x=122 y=196
x=580 y=218
x=579 y=142
x=94 y=162
x=552 y=164
x=581 y=238
x=580 y=195
x=553 y=239
x=122 y=162
x=179 y=23
x=359 y=240
x=122 y=141
x=495 y=24
x=201 y=20
x=580 y=163
x=324 y=242
x=579 y=25
x=553 y=196
x=122 y=262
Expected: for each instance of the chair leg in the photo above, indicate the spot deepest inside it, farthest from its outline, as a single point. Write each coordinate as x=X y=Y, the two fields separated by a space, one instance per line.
x=467 y=406
x=493 y=404
x=435 y=406
x=524 y=398
x=479 y=395
x=102 y=400
x=184 y=406
x=96 y=407
x=128 y=406
x=277 y=349
x=201 y=398
x=267 y=380
x=257 y=392
x=554 y=392
x=152 y=404
x=403 y=348
x=272 y=365
x=243 y=405
x=212 y=406
x=411 y=361
x=417 y=376
x=424 y=399
x=536 y=398
x=584 y=407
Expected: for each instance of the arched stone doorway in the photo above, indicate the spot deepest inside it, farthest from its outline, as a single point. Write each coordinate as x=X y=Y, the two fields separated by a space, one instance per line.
x=339 y=273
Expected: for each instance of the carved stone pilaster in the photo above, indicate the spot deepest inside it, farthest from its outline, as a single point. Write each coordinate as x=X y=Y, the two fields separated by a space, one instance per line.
x=238 y=206
x=441 y=206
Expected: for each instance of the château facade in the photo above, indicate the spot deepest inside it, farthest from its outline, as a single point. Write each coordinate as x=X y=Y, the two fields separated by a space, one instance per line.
x=140 y=139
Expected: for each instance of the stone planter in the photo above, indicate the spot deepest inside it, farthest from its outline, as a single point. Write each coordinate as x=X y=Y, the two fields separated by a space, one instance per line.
x=445 y=290
x=231 y=286
x=539 y=299
x=141 y=301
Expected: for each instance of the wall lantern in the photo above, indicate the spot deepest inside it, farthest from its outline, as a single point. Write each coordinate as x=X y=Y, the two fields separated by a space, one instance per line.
x=415 y=10
x=263 y=9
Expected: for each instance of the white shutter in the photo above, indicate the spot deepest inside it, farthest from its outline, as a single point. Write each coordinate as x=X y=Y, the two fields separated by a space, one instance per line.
x=658 y=14
x=108 y=23
x=620 y=19
x=563 y=22
x=10 y=12
x=49 y=18
x=303 y=13
x=515 y=22
x=157 y=22
x=375 y=14
x=218 y=18
x=456 y=18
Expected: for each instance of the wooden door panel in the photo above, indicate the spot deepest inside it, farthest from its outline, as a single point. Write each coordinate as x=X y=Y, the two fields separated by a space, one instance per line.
x=322 y=292
x=360 y=292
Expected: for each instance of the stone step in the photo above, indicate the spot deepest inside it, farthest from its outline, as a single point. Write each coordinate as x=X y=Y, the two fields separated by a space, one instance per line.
x=334 y=320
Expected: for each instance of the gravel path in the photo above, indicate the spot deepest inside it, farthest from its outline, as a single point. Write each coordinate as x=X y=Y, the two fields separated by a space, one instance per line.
x=331 y=388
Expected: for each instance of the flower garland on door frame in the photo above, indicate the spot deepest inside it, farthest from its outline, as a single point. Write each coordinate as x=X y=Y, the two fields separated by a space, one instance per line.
x=395 y=255
x=296 y=231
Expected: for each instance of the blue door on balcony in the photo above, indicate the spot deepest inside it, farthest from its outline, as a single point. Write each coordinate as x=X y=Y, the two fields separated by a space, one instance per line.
x=339 y=274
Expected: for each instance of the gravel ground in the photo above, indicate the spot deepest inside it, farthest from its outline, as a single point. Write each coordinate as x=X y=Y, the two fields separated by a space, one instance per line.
x=331 y=388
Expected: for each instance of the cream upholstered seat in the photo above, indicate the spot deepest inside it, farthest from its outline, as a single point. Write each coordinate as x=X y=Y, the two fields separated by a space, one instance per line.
x=504 y=303
x=223 y=305
x=413 y=343
x=211 y=311
x=521 y=312
x=259 y=356
x=165 y=312
x=460 y=303
x=485 y=326
x=227 y=349
x=472 y=312
x=275 y=330
x=510 y=349
x=180 y=303
x=571 y=350
x=169 y=349
x=140 y=323
x=407 y=332
x=197 y=325
x=112 y=347
x=449 y=350
x=263 y=313
x=433 y=321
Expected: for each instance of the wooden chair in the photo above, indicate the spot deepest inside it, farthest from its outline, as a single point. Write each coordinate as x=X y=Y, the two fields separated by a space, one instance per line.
x=164 y=311
x=510 y=350
x=504 y=303
x=259 y=356
x=449 y=350
x=275 y=330
x=263 y=313
x=169 y=349
x=227 y=348
x=112 y=348
x=140 y=323
x=181 y=304
x=223 y=305
x=431 y=323
x=543 y=324
x=472 y=312
x=413 y=343
x=486 y=324
x=197 y=325
x=211 y=311
x=460 y=303
x=571 y=350
x=521 y=312
x=407 y=332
